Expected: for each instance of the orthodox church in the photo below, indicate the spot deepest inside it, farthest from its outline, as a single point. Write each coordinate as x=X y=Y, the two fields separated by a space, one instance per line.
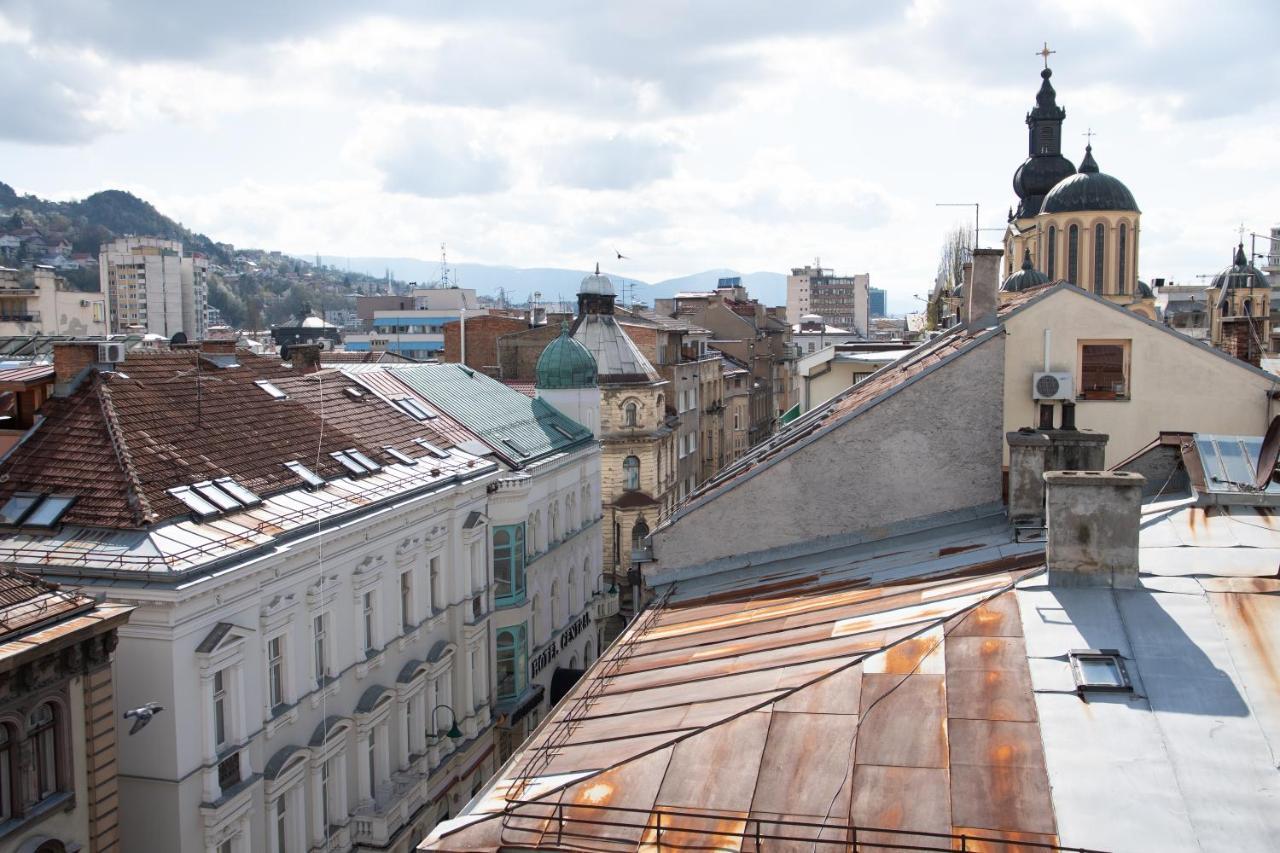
x=1081 y=225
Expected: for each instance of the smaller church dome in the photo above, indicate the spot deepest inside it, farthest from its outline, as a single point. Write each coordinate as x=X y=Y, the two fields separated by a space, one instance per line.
x=1241 y=273
x=1144 y=290
x=1089 y=189
x=1026 y=277
x=314 y=322
x=597 y=284
x=565 y=363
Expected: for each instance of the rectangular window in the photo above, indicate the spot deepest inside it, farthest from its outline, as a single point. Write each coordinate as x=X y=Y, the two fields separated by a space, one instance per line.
x=282 y=824
x=275 y=671
x=320 y=634
x=508 y=564
x=220 y=708
x=326 y=792
x=370 y=631
x=1104 y=370
x=373 y=761
x=437 y=589
x=512 y=661
x=406 y=599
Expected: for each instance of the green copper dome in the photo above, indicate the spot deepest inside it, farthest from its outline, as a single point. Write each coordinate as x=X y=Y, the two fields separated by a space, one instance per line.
x=565 y=363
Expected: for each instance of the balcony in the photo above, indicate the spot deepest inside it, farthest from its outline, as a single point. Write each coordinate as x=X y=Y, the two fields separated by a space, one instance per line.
x=394 y=804
x=20 y=317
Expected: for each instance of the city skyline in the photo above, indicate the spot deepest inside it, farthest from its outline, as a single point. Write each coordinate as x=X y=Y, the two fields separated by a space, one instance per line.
x=687 y=139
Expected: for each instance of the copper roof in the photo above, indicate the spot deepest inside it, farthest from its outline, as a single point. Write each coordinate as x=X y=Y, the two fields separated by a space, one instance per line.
x=122 y=440
x=794 y=706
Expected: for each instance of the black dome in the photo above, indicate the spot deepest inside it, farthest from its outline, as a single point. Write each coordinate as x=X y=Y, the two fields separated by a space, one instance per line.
x=1026 y=277
x=1089 y=190
x=1037 y=176
x=1144 y=290
x=1241 y=273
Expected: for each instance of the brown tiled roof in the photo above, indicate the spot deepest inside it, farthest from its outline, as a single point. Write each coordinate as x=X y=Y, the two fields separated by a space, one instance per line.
x=526 y=388
x=122 y=440
x=371 y=357
x=27 y=601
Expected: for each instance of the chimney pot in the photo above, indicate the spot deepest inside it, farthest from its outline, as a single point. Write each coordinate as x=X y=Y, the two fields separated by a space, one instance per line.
x=305 y=357
x=1093 y=528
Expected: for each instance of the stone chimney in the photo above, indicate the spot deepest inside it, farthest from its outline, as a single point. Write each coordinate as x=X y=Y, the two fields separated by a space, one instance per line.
x=1028 y=450
x=982 y=288
x=1093 y=528
x=305 y=357
x=71 y=363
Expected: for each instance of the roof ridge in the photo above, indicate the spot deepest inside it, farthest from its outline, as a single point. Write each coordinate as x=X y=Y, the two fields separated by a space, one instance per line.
x=139 y=506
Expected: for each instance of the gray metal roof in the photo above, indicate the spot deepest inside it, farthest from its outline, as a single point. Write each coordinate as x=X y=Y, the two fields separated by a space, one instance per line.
x=618 y=359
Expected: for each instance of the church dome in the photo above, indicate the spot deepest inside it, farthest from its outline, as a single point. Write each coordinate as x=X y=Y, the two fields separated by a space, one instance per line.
x=1241 y=273
x=597 y=284
x=565 y=363
x=1026 y=277
x=1144 y=291
x=1089 y=190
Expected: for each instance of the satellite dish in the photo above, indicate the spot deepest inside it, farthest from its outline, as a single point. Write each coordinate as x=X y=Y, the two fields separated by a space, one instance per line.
x=1268 y=455
x=178 y=338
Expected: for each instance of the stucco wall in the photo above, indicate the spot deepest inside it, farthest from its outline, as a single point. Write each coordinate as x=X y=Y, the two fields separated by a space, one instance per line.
x=1175 y=383
x=933 y=446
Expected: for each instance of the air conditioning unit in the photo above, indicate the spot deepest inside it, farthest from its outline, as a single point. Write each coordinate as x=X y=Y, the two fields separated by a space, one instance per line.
x=1051 y=386
x=111 y=353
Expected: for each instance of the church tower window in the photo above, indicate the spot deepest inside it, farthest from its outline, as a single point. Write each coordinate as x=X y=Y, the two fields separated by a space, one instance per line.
x=1051 y=265
x=1073 y=254
x=1099 y=253
x=1121 y=249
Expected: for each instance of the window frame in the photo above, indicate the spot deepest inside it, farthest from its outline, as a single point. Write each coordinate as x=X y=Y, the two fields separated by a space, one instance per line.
x=509 y=564
x=513 y=654
x=1123 y=683
x=1083 y=393
x=47 y=747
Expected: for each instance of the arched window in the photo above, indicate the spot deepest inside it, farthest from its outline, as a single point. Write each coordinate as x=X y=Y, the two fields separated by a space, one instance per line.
x=638 y=534
x=1099 y=255
x=7 y=750
x=43 y=735
x=630 y=414
x=1051 y=264
x=1121 y=248
x=586 y=579
x=662 y=401
x=1248 y=307
x=554 y=613
x=512 y=661
x=586 y=655
x=1073 y=254
x=631 y=473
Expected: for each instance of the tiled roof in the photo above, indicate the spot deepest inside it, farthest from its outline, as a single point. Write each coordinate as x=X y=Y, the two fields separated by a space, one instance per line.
x=384 y=382
x=27 y=602
x=368 y=357
x=798 y=704
x=526 y=388
x=122 y=440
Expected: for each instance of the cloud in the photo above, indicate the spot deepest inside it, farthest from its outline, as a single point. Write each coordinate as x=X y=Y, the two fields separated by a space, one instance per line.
x=430 y=161
x=49 y=96
x=622 y=161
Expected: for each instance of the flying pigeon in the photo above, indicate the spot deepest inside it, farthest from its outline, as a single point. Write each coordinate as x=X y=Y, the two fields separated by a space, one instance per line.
x=621 y=256
x=142 y=716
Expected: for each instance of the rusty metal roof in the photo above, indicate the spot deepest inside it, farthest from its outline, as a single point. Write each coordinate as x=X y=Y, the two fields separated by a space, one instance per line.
x=792 y=704
x=38 y=617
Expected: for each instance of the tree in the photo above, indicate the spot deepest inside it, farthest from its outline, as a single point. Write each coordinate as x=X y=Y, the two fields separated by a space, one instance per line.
x=957 y=250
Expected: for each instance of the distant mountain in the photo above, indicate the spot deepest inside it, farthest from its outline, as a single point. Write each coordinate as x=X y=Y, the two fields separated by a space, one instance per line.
x=519 y=284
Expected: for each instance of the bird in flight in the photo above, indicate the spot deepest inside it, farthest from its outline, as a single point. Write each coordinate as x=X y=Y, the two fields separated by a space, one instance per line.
x=621 y=256
x=142 y=716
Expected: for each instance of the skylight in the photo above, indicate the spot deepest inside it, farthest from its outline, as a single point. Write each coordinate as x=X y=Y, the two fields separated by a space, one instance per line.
x=356 y=462
x=194 y=502
x=364 y=460
x=311 y=478
x=26 y=509
x=353 y=392
x=562 y=431
x=276 y=393
x=520 y=451
x=413 y=408
x=1099 y=669
x=431 y=448
x=239 y=492
x=214 y=497
x=402 y=457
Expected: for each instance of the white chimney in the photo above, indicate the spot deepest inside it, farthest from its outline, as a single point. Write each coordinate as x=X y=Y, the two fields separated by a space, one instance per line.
x=982 y=288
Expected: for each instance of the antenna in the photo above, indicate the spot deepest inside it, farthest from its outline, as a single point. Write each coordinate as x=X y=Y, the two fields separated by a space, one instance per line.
x=444 y=267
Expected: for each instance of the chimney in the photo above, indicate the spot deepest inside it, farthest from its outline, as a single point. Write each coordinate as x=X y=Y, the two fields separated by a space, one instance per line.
x=305 y=357
x=71 y=363
x=223 y=346
x=1075 y=449
x=1028 y=450
x=982 y=288
x=1093 y=528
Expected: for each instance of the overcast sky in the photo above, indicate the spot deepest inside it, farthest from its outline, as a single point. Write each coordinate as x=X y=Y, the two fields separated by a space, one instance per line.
x=752 y=134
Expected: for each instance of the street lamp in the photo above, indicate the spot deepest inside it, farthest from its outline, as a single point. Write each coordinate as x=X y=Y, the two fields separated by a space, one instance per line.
x=454 y=733
x=613 y=584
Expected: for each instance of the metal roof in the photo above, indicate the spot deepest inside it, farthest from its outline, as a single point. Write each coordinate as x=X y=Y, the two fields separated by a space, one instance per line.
x=618 y=359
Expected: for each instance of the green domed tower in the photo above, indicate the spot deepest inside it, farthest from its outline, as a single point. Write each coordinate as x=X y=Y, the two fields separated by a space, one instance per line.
x=565 y=363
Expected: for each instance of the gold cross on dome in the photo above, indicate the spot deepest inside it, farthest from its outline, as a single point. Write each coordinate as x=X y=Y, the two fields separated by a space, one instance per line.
x=1242 y=230
x=1045 y=53
x=1089 y=133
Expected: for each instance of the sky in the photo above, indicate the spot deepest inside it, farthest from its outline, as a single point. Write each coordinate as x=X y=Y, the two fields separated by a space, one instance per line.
x=747 y=134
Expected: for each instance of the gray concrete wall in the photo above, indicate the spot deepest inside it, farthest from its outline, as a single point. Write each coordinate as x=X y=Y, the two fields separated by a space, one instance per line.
x=932 y=447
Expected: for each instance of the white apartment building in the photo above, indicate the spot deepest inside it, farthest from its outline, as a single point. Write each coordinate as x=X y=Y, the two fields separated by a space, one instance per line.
x=313 y=597
x=842 y=301
x=415 y=326
x=38 y=302
x=153 y=288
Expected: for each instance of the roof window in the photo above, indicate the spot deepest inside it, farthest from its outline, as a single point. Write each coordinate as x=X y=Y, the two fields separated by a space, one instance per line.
x=26 y=509
x=400 y=457
x=276 y=393
x=353 y=392
x=214 y=497
x=413 y=408
x=311 y=478
x=431 y=448
x=356 y=462
x=562 y=431
x=193 y=500
x=517 y=449
x=1099 y=670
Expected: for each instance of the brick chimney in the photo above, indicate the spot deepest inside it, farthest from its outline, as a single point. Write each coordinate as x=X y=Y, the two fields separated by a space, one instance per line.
x=223 y=346
x=982 y=288
x=305 y=357
x=1093 y=528
x=71 y=363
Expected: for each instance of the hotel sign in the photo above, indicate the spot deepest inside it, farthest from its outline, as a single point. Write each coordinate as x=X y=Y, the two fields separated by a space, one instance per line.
x=558 y=644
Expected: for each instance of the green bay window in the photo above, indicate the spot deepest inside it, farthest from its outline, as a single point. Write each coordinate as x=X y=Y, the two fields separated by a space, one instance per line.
x=513 y=661
x=508 y=564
